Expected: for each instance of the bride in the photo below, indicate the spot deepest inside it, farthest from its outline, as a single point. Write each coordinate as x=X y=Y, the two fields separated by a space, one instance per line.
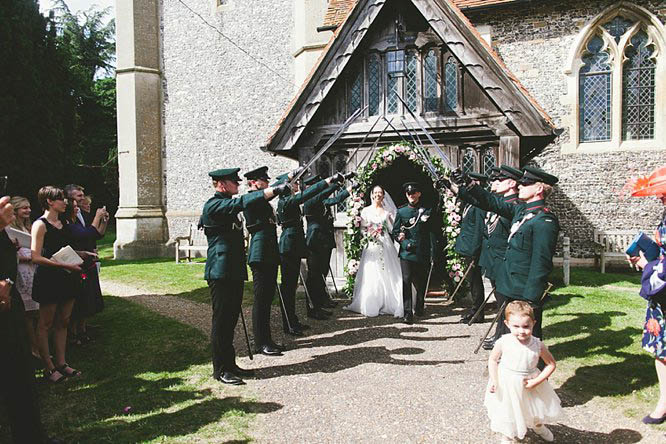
x=378 y=287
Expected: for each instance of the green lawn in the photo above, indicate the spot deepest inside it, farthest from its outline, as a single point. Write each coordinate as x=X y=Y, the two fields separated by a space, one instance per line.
x=594 y=329
x=157 y=367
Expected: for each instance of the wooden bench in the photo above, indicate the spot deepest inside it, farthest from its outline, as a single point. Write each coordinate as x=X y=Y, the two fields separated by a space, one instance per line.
x=613 y=244
x=194 y=241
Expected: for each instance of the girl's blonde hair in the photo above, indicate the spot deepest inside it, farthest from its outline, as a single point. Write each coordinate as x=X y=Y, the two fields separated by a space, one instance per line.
x=520 y=308
x=19 y=202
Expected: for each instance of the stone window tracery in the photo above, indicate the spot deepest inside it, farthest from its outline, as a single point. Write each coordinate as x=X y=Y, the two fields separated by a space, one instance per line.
x=617 y=80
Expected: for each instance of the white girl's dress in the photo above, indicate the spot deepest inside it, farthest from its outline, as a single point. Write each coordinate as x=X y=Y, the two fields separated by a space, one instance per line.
x=513 y=408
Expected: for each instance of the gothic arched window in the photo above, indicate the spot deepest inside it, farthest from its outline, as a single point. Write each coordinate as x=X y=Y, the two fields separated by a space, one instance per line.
x=430 y=92
x=469 y=161
x=374 y=85
x=451 y=84
x=488 y=160
x=618 y=75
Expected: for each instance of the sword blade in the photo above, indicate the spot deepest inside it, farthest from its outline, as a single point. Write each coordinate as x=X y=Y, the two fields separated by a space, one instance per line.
x=330 y=142
x=499 y=313
x=439 y=151
x=362 y=142
x=247 y=337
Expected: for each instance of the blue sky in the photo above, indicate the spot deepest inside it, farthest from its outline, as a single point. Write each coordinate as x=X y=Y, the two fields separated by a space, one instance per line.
x=78 y=5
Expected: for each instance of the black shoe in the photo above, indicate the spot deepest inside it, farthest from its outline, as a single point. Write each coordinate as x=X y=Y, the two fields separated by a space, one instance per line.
x=330 y=304
x=650 y=420
x=293 y=332
x=488 y=345
x=244 y=372
x=278 y=346
x=318 y=314
x=464 y=319
x=268 y=350
x=408 y=319
x=230 y=378
x=301 y=327
x=326 y=312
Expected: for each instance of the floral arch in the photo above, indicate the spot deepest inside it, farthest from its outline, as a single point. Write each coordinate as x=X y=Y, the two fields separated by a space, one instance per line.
x=355 y=240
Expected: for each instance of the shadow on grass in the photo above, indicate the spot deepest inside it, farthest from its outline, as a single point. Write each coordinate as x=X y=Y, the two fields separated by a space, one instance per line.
x=158 y=367
x=593 y=277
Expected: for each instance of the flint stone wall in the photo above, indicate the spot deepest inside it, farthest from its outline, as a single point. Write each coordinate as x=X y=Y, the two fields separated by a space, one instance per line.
x=220 y=105
x=535 y=40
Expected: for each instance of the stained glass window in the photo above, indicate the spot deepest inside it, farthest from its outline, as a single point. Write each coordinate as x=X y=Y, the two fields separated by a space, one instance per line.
x=617 y=27
x=451 y=84
x=595 y=93
x=355 y=95
x=469 y=162
x=411 y=85
x=638 y=89
x=488 y=161
x=374 y=85
x=430 y=82
x=392 y=95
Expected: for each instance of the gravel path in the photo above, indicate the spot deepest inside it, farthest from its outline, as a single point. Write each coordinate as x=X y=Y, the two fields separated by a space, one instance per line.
x=354 y=379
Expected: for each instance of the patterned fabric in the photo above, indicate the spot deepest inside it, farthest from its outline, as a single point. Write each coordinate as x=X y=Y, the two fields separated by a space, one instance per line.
x=653 y=331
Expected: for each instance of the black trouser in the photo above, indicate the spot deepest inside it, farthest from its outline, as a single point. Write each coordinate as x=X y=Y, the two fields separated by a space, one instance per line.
x=502 y=329
x=17 y=377
x=317 y=270
x=413 y=273
x=290 y=268
x=475 y=281
x=226 y=296
x=264 y=280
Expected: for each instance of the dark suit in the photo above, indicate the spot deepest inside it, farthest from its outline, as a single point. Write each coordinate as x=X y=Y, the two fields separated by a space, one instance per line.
x=528 y=260
x=292 y=246
x=468 y=245
x=263 y=258
x=226 y=270
x=17 y=374
x=415 y=252
x=320 y=240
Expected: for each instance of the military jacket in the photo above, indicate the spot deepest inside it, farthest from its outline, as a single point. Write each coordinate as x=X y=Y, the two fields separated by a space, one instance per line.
x=320 y=234
x=224 y=231
x=495 y=236
x=530 y=247
x=260 y=221
x=417 y=224
x=292 y=239
x=468 y=242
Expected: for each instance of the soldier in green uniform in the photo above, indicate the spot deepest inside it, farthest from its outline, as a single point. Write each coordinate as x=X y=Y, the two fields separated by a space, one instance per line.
x=468 y=245
x=225 y=265
x=292 y=246
x=531 y=242
x=413 y=229
x=320 y=242
x=263 y=258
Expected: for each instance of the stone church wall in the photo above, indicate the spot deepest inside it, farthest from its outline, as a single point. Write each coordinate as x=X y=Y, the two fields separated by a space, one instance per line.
x=219 y=104
x=535 y=42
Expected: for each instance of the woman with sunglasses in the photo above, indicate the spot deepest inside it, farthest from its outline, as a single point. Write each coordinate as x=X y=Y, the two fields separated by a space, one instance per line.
x=54 y=285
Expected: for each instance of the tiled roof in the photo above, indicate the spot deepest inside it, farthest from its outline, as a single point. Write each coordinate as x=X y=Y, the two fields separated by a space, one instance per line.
x=338 y=9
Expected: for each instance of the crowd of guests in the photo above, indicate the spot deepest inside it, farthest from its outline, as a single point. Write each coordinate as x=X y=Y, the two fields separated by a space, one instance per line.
x=45 y=302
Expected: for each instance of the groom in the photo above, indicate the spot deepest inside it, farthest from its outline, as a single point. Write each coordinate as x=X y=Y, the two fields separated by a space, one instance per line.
x=413 y=230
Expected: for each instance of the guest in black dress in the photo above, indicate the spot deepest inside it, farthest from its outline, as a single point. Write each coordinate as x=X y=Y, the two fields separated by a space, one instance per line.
x=83 y=237
x=55 y=284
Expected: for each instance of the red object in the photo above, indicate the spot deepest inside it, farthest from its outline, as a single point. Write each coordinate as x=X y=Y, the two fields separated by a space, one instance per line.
x=652 y=185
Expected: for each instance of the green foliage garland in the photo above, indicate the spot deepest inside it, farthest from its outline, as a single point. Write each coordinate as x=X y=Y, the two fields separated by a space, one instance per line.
x=354 y=239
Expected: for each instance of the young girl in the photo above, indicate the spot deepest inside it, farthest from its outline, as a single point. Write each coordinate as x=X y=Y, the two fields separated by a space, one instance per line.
x=519 y=396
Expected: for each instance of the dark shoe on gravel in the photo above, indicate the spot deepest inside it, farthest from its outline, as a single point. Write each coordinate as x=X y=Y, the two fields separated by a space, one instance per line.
x=230 y=378
x=269 y=351
x=244 y=372
x=650 y=420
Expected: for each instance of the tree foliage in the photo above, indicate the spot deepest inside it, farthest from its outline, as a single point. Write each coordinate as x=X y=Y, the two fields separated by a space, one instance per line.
x=57 y=95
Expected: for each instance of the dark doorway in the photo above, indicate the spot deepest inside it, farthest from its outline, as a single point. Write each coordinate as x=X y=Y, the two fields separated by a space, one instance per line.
x=403 y=170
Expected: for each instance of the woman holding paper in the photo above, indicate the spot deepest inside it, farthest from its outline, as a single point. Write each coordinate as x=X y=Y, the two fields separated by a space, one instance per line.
x=653 y=288
x=55 y=283
x=26 y=271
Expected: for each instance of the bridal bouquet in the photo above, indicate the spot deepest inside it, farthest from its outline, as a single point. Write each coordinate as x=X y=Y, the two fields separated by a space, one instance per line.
x=374 y=232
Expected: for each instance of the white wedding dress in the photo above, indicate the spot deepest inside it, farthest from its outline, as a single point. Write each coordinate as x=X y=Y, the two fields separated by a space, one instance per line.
x=378 y=287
